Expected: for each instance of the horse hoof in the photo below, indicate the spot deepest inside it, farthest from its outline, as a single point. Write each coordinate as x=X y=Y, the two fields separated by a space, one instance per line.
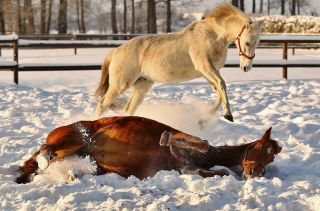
x=229 y=117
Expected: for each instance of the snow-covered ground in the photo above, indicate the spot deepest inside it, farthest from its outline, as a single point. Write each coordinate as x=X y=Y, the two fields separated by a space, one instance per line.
x=44 y=101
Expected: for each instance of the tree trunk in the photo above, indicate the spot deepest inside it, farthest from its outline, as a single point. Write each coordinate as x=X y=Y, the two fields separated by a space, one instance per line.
x=268 y=7
x=293 y=9
x=82 y=23
x=78 y=15
x=19 y=18
x=2 y=23
x=235 y=3
x=152 y=18
x=28 y=10
x=133 y=18
x=43 y=16
x=242 y=5
x=114 y=17
x=62 y=17
x=254 y=6
x=49 y=17
x=298 y=6
x=261 y=6
x=124 y=16
x=282 y=7
x=169 y=16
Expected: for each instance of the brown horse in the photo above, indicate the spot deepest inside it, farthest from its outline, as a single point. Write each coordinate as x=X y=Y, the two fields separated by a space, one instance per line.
x=141 y=147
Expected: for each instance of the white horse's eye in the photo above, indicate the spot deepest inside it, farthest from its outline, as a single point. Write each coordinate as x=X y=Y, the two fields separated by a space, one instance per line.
x=247 y=44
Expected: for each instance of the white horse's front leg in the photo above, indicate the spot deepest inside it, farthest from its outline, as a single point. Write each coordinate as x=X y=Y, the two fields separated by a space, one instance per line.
x=225 y=101
x=214 y=77
x=217 y=102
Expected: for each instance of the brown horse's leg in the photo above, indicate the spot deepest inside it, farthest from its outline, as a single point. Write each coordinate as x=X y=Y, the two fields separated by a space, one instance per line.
x=30 y=166
x=203 y=172
x=183 y=140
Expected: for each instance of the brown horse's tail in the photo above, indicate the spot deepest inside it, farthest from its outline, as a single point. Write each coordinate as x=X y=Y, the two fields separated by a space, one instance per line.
x=29 y=167
x=104 y=81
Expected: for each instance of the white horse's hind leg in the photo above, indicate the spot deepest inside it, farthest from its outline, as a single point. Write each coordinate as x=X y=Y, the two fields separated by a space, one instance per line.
x=107 y=100
x=138 y=91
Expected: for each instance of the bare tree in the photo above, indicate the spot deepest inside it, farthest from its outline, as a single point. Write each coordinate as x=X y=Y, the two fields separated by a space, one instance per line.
x=133 y=17
x=114 y=17
x=235 y=3
x=293 y=7
x=19 y=18
x=124 y=16
x=43 y=16
x=282 y=7
x=261 y=6
x=169 y=16
x=241 y=4
x=82 y=22
x=80 y=16
x=28 y=12
x=152 y=17
x=49 y=17
x=62 y=17
x=2 y=22
x=253 y=6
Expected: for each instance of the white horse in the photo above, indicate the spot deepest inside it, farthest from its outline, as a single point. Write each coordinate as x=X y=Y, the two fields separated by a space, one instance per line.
x=198 y=50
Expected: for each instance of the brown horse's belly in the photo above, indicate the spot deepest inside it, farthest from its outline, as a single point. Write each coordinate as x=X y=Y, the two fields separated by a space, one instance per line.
x=127 y=151
x=131 y=160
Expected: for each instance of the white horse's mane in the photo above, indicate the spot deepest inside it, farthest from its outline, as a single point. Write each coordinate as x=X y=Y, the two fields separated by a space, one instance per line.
x=225 y=10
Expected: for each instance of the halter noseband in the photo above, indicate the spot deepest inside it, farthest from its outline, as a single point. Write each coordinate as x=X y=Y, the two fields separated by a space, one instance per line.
x=244 y=159
x=241 y=53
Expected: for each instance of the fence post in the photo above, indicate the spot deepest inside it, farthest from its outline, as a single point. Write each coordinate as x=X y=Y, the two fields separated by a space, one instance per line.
x=285 y=57
x=16 y=59
x=74 y=37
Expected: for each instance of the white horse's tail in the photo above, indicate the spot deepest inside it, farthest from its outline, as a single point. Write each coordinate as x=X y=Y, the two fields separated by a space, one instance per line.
x=104 y=81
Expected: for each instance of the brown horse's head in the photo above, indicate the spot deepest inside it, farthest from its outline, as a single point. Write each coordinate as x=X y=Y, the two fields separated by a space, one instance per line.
x=67 y=140
x=258 y=155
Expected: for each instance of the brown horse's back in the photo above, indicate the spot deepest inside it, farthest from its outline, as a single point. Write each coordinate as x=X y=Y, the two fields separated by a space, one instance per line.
x=130 y=146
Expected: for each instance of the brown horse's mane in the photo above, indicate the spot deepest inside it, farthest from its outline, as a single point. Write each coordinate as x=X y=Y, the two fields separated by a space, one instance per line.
x=225 y=10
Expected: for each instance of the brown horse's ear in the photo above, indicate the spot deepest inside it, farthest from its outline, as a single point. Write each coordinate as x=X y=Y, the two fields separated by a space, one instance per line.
x=266 y=135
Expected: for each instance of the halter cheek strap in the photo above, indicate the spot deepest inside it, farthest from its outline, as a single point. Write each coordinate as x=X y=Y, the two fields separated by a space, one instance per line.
x=241 y=53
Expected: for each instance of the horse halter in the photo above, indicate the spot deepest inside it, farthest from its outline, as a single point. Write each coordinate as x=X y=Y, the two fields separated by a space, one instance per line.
x=241 y=53
x=263 y=171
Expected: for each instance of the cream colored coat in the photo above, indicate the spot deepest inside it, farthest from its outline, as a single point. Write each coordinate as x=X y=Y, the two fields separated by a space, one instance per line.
x=199 y=50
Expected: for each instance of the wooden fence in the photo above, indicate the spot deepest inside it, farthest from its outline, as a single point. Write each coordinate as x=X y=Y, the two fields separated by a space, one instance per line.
x=52 y=41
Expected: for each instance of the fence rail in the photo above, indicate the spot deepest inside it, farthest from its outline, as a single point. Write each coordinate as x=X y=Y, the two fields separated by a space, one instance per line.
x=84 y=41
